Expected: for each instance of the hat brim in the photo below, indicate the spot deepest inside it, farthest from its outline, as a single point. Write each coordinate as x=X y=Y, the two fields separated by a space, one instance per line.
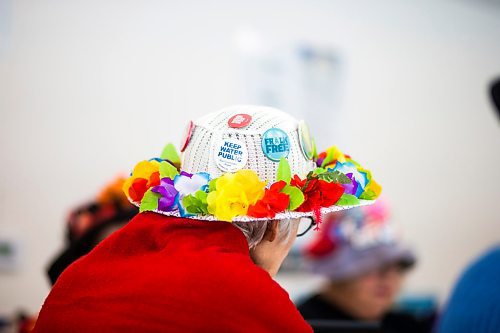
x=279 y=216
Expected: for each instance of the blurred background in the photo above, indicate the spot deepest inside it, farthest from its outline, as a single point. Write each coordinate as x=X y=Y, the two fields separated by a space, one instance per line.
x=87 y=88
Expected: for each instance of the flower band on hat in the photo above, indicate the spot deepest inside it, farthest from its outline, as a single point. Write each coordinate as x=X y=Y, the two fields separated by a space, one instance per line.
x=259 y=171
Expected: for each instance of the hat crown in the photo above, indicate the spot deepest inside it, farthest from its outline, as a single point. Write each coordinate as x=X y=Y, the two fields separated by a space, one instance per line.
x=264 y=133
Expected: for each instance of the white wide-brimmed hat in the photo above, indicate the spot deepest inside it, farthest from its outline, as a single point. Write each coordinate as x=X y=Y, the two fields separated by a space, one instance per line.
x=249 y=163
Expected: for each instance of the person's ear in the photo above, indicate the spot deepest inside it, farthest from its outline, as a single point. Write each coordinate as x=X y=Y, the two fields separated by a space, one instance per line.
x=271 y=232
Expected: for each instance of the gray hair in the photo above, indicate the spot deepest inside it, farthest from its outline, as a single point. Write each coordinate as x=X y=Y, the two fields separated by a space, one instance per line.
x=254 y=231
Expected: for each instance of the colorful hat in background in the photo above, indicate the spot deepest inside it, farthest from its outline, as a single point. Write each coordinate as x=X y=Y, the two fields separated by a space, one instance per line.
x=355 y=242
x=88 y=224
x=248 y=163
x=110 y=204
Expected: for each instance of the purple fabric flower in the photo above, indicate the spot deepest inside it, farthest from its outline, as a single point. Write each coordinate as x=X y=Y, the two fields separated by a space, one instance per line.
x=351 y=188
x=167 y=201
x=359 y=177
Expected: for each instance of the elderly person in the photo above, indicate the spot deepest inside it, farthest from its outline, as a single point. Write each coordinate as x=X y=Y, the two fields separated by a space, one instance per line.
x=179 y=266
x=364 y=261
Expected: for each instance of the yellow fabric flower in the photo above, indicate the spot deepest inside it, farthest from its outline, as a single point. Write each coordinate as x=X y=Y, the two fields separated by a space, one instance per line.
x=144 y=169
x=331 y=155
x=234 y=193
x=337 y=154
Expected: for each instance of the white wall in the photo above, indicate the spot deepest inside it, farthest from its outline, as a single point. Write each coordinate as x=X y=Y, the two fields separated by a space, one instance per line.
x=87 y=88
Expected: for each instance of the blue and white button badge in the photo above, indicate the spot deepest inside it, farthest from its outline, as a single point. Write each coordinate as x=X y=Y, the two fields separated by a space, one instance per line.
x=230 y=155
x=275 y=144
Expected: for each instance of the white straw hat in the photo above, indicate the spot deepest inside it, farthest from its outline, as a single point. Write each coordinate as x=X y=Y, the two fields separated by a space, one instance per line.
x=213 y=130
x=249 y=147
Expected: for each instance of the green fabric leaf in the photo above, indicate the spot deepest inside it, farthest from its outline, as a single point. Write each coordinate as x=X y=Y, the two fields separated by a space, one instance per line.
x=212 y=185
x=284 y=172
x=168 y=170
x=329 y=157
x=296 y=196
x=334 y=176
x=319 y=171
x=149 y=202
x=368 y=195
x=348 y=200
x=170 y=153
x=196 y=203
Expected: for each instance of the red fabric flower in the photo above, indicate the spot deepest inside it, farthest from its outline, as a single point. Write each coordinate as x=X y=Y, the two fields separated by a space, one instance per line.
x=141 y=185
x=330 y=193
x=273 y=202
x=317 y=193
x=154 y=179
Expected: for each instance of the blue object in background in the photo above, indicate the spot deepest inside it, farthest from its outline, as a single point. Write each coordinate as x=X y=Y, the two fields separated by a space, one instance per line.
x=474 y=305
x=419 y=306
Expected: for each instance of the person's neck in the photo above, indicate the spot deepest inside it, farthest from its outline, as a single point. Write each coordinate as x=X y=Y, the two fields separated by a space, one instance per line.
x=337 y=296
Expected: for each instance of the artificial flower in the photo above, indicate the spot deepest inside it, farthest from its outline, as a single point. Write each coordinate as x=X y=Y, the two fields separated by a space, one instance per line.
x=168 y=195
x=273 y=202
x=359 y=178
x=352 y=187
x=320 y=159
x=186 y=184
x=145 y=175
x=317 y=192
x=360 y=186
x=234 y=193
x=372 y=191
x=329 y=156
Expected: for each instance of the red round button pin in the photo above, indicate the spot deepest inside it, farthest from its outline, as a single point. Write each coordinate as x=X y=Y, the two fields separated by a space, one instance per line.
x=239 y=120
x=187 y=136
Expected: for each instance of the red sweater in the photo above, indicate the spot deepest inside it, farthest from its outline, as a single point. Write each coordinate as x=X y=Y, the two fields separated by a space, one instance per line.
x=165 y=274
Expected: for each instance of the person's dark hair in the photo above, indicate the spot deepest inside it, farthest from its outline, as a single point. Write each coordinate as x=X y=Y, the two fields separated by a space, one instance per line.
x=495 y=94
x=80 y=245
